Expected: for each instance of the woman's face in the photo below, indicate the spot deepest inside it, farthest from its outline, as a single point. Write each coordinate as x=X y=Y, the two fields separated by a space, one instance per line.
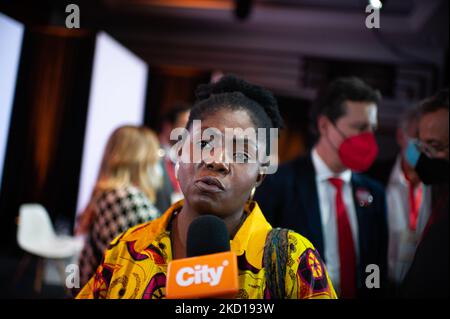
x=220 y=188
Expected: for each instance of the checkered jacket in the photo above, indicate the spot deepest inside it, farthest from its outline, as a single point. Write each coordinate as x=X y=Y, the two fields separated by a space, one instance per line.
x=115 y=211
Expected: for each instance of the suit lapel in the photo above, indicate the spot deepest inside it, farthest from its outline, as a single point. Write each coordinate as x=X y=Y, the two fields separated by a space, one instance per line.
x=361 y=215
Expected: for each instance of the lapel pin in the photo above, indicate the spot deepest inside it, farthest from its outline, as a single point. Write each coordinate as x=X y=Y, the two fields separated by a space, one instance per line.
x=364 y=197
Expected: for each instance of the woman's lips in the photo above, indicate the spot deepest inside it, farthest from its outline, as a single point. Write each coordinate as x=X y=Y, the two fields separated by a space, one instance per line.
x=209 y=184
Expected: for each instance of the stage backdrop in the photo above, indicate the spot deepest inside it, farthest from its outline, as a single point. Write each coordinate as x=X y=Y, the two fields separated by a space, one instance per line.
x=117 y=97
x=11 y=36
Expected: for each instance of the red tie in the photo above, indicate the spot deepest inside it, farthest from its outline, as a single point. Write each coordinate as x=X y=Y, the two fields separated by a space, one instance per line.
x=415 y=201
x=347 y=254
x=414 y=204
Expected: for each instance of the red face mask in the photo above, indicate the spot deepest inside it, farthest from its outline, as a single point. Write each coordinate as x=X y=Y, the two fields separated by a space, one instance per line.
x=358 y=152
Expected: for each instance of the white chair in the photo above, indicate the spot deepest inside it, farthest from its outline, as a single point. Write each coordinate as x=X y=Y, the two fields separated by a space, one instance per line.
x=37 y=237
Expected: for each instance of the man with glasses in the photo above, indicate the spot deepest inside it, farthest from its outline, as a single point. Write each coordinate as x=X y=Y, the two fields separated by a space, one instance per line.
x=429 y=155
x=408 y=203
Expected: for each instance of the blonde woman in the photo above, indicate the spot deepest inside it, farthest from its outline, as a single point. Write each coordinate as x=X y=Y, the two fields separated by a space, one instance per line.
x=124 y=194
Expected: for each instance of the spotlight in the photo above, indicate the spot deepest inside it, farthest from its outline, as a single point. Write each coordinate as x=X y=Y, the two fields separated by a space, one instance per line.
x=376 y=4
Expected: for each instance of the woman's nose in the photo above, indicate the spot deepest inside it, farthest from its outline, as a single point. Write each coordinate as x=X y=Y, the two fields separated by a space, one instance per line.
x=220 y=167
x=216 y=161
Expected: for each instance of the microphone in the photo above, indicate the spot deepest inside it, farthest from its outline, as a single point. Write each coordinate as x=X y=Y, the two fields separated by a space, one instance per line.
x=210 y=269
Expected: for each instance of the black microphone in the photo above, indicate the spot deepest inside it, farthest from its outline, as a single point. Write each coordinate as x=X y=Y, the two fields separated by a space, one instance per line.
x=207 y=235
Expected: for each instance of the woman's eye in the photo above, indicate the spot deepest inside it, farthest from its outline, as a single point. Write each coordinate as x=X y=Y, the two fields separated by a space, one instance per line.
x=204 y=144
x=241 y=157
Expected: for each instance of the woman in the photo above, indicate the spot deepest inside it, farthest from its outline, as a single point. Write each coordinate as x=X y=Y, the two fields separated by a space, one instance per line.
x=123 y=195
x=135 y=264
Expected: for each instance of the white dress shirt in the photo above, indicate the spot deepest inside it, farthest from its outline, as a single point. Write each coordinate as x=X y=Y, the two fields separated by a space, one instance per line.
x=327 y=206
x=402 y=240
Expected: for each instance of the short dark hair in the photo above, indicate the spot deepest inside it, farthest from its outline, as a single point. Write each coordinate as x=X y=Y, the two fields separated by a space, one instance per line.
x=408 y=118
x=330 y=102
x=233 y=93
x=434 y=103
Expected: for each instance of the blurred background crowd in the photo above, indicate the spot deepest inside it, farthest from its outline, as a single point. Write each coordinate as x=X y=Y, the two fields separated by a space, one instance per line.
x=86 y=115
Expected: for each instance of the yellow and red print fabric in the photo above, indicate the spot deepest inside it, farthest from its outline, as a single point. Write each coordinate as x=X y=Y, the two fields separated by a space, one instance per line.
x=135 y=264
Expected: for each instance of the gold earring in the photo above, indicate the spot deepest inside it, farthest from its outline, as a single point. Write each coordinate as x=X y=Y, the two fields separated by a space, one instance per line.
x=252 y=193
x=177 y=167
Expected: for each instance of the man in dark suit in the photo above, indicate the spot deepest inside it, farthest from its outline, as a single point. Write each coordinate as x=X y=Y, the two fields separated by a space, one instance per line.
x=324 y=197
x=429 y=155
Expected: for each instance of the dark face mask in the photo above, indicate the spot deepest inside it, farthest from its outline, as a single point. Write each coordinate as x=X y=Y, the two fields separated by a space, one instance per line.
x=432 y=170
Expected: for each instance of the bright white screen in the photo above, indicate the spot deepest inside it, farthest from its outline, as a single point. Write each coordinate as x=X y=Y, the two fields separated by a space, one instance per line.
x=11 y=35
x=117 y=97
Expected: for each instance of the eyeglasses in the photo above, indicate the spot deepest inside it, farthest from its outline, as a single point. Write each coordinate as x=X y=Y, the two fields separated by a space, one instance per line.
x=430 y=150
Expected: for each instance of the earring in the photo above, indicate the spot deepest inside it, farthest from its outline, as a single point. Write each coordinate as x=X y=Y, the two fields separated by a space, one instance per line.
x=252 y=193
x=177 y=167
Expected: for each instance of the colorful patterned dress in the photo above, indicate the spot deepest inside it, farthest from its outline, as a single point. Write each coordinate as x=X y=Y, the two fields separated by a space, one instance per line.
x=135 y=263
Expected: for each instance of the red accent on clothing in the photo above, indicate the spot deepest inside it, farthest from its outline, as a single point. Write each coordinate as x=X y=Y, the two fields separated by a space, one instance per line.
x=347 y=253
x=415 y=201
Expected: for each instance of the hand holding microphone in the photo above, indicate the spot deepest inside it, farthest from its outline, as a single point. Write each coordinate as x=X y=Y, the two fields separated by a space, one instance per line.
x=210 y=271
